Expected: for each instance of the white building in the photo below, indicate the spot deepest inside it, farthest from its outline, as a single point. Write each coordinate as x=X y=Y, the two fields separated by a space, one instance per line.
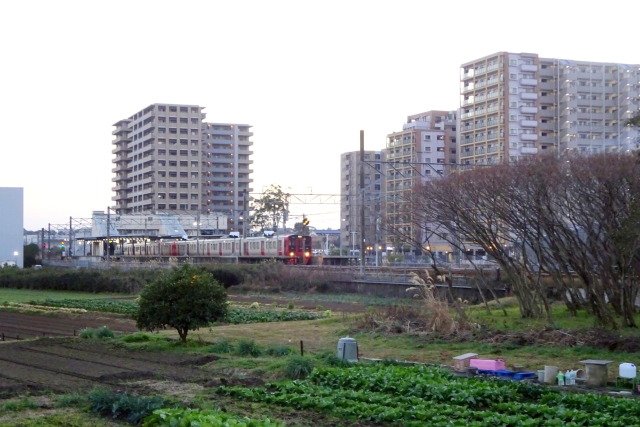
x=518 y=104
x=11 y=226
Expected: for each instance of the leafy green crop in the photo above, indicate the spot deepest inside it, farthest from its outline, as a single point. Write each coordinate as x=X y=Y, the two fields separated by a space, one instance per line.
x=235 y=315
x=196 y=417
x=421 y=395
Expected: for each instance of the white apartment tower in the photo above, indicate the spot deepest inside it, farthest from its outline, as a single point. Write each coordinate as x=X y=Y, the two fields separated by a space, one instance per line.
x=167 y=159
x=517 y=104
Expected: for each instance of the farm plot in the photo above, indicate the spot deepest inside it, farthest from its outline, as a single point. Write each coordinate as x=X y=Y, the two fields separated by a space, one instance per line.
x=67 y=364
x=14 y=325
x=418 y=396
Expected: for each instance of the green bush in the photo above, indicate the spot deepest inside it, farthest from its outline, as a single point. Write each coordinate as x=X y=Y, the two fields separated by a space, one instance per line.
x=99 y=333
x=222 y=346
x=332 y=360
x=279 y=351
x=71 y=400
x=185 y=299
x=124 y=406
x=298 y=367
x=248 y=348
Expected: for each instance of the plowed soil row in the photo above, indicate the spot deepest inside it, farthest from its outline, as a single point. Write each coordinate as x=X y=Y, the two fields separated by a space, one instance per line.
x=76 y=365
x=15 y=325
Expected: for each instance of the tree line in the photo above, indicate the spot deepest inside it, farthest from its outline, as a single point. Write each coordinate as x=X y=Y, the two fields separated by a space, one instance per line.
x=569 y=224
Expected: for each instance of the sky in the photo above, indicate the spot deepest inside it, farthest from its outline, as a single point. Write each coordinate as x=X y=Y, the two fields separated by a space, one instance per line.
x=308 y=76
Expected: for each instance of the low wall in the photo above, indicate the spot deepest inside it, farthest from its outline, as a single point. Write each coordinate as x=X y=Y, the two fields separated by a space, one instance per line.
x=400 y=290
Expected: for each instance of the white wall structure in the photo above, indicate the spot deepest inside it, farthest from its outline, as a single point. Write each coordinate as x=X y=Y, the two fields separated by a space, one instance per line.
x=11 y=226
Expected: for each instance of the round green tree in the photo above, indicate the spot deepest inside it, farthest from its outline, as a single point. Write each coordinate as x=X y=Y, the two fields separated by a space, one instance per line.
x=186 y=298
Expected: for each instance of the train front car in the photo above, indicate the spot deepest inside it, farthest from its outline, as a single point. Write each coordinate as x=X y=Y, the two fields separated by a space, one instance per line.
x=298 y=249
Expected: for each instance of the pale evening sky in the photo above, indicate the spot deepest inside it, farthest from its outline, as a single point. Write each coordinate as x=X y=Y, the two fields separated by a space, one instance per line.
x=307 y=75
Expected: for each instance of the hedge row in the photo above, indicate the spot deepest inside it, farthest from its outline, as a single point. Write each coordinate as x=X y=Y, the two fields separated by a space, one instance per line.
x=96 y=281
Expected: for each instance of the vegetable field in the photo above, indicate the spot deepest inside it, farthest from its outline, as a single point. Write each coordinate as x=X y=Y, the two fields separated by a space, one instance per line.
x=420 y=395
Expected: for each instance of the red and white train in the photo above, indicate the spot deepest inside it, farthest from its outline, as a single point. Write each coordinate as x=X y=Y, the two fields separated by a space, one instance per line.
x=291 y=249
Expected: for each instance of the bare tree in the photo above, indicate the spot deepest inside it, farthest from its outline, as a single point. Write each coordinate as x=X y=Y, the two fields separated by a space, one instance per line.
x=573 y=223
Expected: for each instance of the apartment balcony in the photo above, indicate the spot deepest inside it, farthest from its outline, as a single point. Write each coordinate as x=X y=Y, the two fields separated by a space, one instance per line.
x=529 y=123
x=528 y=95
x=121 y=149
x=528 y=137
x=468 y=88
x=122 y=132
x=529 y=82
x=547 y=99
x=529 y=68
x=529 y=110
x=469 y=74
x=548 y=85
x=528 y=150
x=122 y=168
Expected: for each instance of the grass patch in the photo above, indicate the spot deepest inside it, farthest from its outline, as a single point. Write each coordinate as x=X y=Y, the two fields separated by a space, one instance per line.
x=298 y=367
x=249 y=348
x=562 y=318
x=65 y=417
x=18 y=405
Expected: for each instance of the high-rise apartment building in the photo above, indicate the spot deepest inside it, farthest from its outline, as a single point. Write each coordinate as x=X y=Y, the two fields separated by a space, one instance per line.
x=518 y=104
x=423 y=150
x=167 y=159
x=353 y=198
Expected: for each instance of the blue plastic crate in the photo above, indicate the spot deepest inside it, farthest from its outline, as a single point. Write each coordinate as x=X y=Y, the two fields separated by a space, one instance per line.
x=523 y=375
x=505 y=373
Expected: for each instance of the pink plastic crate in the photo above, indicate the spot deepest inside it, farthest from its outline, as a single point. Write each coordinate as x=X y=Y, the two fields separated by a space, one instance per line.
x=487 y=364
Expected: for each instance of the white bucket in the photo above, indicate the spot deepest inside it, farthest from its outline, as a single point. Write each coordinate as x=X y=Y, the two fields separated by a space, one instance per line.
x=550 y=374
x=627 y=370
x=541 y=376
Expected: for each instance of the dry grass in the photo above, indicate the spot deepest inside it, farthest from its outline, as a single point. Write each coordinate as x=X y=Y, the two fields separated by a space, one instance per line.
x=317 y=335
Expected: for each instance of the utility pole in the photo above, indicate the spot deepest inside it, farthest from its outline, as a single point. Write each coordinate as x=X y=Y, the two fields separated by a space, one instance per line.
x=362 y=239
x=108 y=237
x=43 y=245
x=70 y=236
x=246 y=213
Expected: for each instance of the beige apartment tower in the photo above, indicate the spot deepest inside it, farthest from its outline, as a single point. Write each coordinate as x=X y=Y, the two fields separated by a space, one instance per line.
x=168 y=159
x=353 y=199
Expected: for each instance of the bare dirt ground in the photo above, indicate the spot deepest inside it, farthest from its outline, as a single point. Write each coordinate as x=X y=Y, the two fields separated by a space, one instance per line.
x=41 y=352
x=63 y=365
x=17 y=326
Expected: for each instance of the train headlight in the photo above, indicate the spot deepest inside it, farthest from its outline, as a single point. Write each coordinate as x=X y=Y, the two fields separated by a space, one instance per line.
x=307 y=254
x=291 y=254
